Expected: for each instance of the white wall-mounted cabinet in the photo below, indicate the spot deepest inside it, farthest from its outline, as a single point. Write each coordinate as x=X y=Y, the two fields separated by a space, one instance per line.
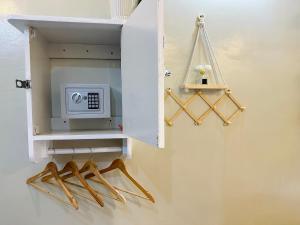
x=126 y=55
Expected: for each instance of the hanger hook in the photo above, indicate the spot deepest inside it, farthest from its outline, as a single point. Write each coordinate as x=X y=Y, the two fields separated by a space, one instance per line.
x=91 y=154
x=73 y=154
x=52 y=156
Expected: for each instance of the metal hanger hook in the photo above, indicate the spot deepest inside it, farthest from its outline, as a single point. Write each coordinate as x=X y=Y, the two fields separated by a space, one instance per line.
x=73 y=155
x=91 y=154
x=52 y=156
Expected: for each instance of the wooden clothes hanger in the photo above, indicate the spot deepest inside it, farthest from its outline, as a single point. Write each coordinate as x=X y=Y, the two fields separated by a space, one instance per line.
x=119 y=189
x=76 y=192
x=52 y=169
x=72 y=167
x=83 y=188
x=119 y=164
x=91 y=166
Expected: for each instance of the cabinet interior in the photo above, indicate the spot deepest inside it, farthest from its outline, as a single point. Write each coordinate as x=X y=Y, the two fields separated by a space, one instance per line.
x=61 y=54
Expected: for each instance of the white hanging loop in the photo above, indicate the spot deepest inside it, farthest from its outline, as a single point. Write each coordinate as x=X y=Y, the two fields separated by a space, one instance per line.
x=215 y=80
x=200 y=20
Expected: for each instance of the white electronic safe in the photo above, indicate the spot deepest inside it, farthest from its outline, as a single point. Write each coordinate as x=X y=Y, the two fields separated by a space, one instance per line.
x=85 y=101
x=126 y=56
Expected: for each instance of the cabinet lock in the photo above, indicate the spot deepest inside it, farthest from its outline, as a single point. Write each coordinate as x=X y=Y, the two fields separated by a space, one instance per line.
x=168 y=73
x=26 y=84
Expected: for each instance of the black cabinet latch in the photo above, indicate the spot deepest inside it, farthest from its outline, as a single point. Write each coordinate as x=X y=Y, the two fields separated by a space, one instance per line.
x=23 y=84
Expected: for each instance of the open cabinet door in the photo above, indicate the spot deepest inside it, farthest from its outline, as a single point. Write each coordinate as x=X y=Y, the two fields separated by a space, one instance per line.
x=143 y=73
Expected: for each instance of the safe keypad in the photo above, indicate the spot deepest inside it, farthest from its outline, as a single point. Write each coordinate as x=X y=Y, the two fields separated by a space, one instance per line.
x=93 y=100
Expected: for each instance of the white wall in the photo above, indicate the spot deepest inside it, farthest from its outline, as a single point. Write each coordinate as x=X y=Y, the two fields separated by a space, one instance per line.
x=247 y=173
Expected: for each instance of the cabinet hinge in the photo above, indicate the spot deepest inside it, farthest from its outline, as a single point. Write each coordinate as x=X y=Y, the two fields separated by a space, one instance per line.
x=23 y=84
x=32 y=33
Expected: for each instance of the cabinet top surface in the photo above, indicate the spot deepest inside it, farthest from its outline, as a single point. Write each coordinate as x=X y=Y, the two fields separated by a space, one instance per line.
x=23 y=21
x=71 y=29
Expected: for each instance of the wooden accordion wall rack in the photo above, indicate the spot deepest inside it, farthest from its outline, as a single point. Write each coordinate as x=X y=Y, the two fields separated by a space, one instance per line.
x=205 y=77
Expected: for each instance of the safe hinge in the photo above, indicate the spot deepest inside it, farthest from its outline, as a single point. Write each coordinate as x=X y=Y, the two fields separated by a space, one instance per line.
x=26 y=84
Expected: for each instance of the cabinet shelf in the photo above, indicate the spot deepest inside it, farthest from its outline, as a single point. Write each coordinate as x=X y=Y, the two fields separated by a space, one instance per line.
x=80 y=135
